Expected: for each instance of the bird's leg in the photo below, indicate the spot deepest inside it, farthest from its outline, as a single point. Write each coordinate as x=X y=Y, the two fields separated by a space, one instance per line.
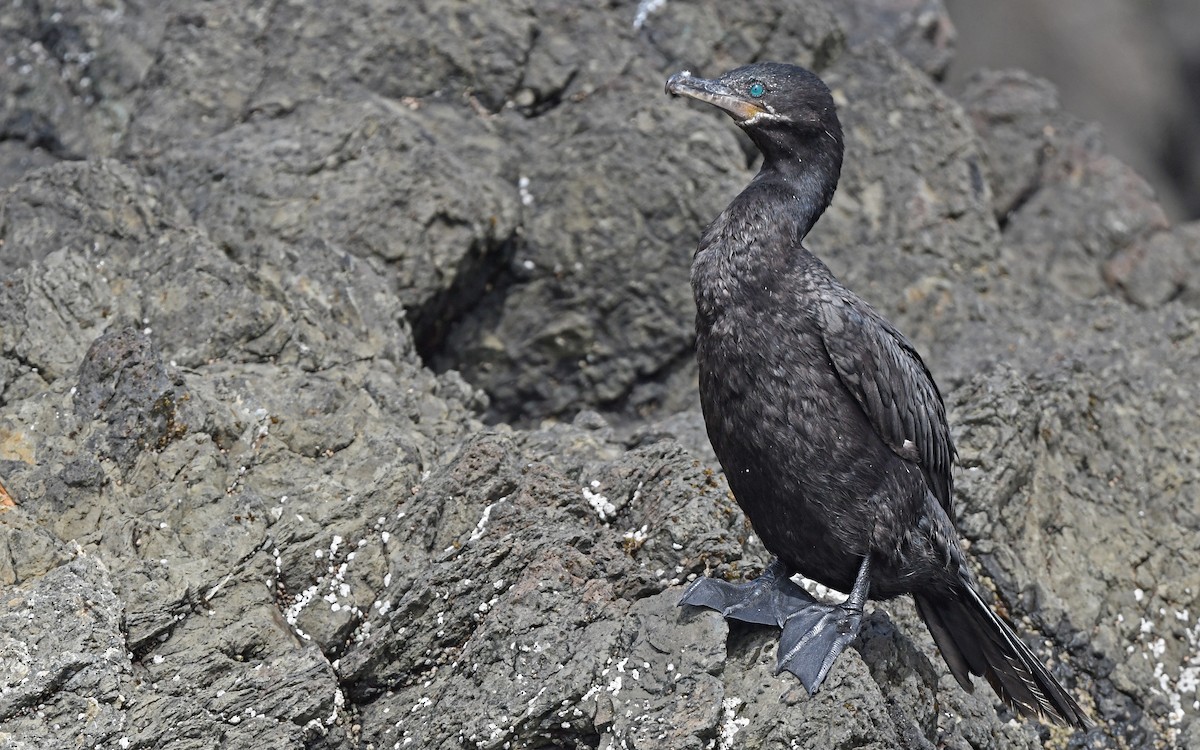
x=814 y=636
x=770 y=599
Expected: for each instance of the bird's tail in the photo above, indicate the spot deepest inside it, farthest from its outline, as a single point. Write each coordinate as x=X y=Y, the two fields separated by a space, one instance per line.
x=975 y=641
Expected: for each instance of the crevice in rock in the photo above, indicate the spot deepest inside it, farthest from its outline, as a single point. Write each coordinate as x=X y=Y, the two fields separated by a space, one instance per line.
x=529 y=100
x=1005 y=216
x=568 y=738
x=482 y=277
x=24 y=365
x=36 y=131
x=549 y=100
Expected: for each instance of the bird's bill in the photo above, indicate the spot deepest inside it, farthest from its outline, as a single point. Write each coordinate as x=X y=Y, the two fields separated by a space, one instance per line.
x=715 y=93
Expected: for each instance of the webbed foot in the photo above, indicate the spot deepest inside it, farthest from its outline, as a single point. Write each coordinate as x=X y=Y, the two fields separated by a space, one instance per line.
x=814 y=633
x=769 y=599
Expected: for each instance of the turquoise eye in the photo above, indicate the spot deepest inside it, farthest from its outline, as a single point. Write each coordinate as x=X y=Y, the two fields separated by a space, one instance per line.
x=757 y=89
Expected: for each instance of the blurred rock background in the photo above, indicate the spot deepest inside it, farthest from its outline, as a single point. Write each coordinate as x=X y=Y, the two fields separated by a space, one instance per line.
x=1134 y=67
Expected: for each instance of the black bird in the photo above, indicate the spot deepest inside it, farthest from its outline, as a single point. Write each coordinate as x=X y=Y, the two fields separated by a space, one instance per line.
x=830 y=429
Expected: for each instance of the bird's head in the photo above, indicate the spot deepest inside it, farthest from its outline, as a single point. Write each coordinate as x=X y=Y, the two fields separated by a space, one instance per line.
x=762 y=93
x=779 y=106
x=789 y=114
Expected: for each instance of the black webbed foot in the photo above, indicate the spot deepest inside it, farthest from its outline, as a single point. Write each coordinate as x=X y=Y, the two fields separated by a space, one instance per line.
x=812 y=640
x=814 y=633
x=769 y=599
x=814 y=637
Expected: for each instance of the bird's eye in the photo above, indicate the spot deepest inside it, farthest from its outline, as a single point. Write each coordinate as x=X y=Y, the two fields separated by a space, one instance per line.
x=757 y=89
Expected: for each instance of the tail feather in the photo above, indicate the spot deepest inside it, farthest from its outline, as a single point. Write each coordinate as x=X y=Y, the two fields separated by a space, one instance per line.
x=975 y=641
x=959 y=665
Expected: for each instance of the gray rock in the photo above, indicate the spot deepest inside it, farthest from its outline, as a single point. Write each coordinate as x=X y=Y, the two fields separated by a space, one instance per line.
x=1157 y=269
x=598 y=298
x=367 y=178
x=1130 y=66
x=910 y=227
x=71 y=74
x=184 y=470
x=557 y=567
x=593 y=309
x=1062 y=496
x=716 y=38
x=1070 y=206
x=67 y=674
x=239 y=509
x=1016 y=115
x=921 y=30
x=124 y=383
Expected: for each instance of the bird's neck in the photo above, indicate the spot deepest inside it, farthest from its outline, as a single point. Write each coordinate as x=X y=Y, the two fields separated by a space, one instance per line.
x=800 y=176
x=777 y=209
x=757 y=240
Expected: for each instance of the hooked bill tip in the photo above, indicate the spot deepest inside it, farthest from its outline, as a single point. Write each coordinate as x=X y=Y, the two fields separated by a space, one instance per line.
x=674 y=81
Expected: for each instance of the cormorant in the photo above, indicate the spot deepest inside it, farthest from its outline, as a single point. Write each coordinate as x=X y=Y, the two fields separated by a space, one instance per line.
x=830 y=428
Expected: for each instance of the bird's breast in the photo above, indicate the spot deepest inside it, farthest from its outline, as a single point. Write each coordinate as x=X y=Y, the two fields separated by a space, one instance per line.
x=788 y=435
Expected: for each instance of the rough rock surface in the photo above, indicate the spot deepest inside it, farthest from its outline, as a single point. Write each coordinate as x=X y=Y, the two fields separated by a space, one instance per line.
x=1133 y=66
x=248 y=500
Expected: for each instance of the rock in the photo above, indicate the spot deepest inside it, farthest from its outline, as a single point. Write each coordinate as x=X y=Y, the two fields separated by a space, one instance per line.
x=910 y=227
x=597 y=299
x=66 y=665
x=1016 y=116
x=227 y=484
x=1155 y=270
x=71 y=78
x=124 y=383
x=1131 y=67
x=257 y=308
x=387 y=187
x=711 y=40
x=556 y=566
x=1071 y=206
x=921 y=30
x=1067 y=484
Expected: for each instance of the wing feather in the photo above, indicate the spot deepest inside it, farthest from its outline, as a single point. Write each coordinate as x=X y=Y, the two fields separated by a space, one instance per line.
x=889 y=380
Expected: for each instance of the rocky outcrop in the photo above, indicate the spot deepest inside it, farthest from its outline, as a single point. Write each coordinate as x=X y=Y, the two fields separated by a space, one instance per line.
x=347 y=400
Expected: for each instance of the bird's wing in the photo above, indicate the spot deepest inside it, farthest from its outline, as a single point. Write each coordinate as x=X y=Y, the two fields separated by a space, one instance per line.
x=890 y=382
